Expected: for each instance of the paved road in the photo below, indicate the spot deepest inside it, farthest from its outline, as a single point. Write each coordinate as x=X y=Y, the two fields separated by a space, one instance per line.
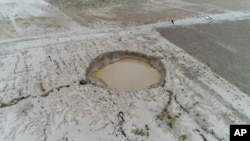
x=225 y=47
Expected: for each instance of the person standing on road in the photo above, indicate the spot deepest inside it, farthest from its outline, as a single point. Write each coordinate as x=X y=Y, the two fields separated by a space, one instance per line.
x=172 y=21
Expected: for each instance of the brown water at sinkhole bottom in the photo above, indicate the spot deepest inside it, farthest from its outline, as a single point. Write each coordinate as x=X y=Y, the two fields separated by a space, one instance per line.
x=128 y=74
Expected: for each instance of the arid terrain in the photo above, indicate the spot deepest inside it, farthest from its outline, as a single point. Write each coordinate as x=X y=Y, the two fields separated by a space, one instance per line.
x=224 y=47
x=51 y=52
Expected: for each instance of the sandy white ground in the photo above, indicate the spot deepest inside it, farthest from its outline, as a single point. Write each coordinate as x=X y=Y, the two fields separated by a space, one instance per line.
x=41 y=98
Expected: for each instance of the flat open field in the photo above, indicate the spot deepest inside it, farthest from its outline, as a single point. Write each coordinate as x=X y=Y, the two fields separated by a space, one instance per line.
x=242 y=5
x=224 y=47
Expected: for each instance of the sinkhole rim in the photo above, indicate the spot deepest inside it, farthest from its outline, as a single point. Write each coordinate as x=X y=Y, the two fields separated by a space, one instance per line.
x=107 y=58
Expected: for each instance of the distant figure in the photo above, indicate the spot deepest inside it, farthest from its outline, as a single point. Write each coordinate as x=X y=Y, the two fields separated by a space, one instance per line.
x=172 y=21
x=209 y=18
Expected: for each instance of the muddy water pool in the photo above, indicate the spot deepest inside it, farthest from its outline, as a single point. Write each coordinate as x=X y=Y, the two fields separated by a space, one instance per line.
x=128 y=74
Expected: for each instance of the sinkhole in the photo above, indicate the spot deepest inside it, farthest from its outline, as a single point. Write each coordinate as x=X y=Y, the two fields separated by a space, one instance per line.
x=126 y=71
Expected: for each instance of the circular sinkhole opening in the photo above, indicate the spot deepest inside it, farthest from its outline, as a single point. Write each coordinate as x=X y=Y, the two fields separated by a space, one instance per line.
x=126 y=71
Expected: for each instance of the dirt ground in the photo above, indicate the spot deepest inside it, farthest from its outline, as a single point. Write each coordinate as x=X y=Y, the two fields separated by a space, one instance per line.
x=242 y=5
x=47 y=46
x=130 y=12
x=53 y=16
